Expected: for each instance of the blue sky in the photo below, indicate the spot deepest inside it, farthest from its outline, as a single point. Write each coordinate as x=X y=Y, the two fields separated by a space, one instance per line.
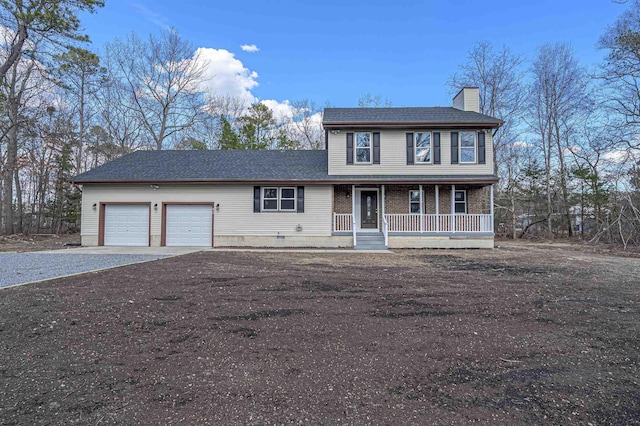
x=334 y=51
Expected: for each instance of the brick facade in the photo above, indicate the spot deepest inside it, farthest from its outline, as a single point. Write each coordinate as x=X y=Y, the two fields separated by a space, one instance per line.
x=342 y=199
x=397 y=198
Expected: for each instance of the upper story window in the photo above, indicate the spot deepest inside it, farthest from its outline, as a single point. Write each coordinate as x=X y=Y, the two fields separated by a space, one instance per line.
x=467 y=147
x=278 y=199
x=363 y=148
x=423 y=147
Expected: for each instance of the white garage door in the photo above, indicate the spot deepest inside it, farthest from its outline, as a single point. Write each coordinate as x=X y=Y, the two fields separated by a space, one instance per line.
x=189 y=225
x=126 y=225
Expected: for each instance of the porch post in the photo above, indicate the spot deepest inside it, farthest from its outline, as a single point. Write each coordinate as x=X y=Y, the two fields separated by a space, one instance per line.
x=382 y=205
x=491 y=205
x=437 y=208
x=453 y=208
x=353 y=215
x=421 y=210
x=353 y=207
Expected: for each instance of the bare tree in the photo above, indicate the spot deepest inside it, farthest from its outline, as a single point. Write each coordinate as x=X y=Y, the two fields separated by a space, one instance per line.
x=499 y=77
x=118 y=119
x=163 y=76
x=306 y=125
x=368 y=100
x=558 y=99
x=24 y=82
x=221 y=111
x=621 y=70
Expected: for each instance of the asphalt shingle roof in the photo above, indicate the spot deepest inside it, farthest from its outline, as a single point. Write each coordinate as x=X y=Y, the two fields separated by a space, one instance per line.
x=241 y=166
x=201 y=165
x=415 y=115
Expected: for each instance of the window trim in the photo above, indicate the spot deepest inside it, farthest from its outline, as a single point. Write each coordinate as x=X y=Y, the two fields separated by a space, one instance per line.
x=415 y=148
x=263 y=198
x=356 y=147
x=279 y=199
x=456 y=202
x=420 y=201
x=475 y=148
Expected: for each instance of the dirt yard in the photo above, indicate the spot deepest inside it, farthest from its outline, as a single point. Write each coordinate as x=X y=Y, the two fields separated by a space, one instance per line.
x=22 y=243
x=524 y=334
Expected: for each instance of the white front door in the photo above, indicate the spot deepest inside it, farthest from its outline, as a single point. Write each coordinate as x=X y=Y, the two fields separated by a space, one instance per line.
x=126 y=225
x=189 y=225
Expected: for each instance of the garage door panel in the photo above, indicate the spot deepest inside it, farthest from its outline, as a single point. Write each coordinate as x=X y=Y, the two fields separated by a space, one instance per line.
x=126 y=225
x=189 y=225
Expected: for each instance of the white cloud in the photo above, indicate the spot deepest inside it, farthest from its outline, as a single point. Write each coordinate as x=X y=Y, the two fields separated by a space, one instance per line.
x=226 y=75
x=251 y=48
x=521 y=144
x=573 y=149
x=616 y=156
x=282 y=111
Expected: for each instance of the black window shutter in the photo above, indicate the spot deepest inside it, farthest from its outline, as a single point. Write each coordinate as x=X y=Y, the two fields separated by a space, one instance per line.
x=256 y=199
x=301 y=199
x=482 y=152
x=436 y=147
x=349 y=148
x=376 y=147
x=454 y=147
x=409 y=148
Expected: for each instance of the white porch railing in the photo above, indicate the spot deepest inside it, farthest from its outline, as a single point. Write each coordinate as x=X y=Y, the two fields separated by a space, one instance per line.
x=342 y=222
x=468 y=223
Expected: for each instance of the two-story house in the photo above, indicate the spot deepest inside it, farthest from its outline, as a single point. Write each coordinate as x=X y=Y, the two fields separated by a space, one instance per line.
x=389 y=177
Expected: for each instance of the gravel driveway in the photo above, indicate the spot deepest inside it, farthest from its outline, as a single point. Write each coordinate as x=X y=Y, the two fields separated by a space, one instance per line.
x=21 y=268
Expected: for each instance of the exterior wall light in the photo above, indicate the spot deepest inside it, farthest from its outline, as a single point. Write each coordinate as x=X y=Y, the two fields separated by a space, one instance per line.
x=155 y=187
x=218 y=207
x=95 y=206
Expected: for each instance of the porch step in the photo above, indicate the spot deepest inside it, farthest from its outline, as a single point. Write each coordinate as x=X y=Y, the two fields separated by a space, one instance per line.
x=370 y=242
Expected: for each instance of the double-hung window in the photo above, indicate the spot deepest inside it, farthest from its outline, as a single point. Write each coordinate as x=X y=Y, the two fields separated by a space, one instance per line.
x=278 y=199
x=363 y=148
x=287 y=199
x=423 y=148
x=415 y=202
x=467 y=147
x=460 y=201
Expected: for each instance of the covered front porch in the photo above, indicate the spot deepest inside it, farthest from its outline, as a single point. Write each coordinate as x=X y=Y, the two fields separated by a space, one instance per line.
x=392 y=210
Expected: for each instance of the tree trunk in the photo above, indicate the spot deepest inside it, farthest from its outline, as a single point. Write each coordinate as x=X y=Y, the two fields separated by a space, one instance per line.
x=10 y=169
x=19 y=228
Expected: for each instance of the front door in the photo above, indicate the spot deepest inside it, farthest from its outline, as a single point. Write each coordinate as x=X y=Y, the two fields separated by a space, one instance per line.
x=369 y=210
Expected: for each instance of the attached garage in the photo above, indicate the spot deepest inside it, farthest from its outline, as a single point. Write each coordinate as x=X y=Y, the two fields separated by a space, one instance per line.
x=126 y=224
x=189 y=225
